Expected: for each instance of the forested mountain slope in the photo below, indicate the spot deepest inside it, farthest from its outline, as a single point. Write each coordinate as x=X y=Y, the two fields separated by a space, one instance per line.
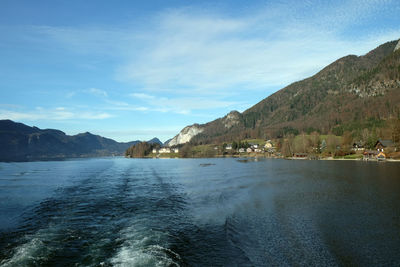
x=351 y=94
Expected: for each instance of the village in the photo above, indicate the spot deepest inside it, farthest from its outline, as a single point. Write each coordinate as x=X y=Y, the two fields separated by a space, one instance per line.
x=323 y=150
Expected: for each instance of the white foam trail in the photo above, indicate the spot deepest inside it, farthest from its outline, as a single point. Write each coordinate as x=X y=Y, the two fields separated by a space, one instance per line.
x=27 y=254
x=142 y=248
x=34 y=251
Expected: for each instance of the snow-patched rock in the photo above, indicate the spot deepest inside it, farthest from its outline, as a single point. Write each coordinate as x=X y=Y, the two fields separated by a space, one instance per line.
x=231 y=119
x=185 y=135
x=397 y=46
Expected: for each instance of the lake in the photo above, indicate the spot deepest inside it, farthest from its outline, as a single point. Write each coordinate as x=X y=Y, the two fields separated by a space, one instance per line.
x=199 y=212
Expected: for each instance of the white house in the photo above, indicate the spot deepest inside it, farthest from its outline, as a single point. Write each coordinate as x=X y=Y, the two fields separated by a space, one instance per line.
x=241 y=150
x=228 y=147
x=249 y=150
x=268 y=144
x=175 y=150
x=154 y=151
x=165 y=150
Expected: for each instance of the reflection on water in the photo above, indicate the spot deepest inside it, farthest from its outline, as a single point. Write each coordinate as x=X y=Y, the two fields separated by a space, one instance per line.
x=196 y=212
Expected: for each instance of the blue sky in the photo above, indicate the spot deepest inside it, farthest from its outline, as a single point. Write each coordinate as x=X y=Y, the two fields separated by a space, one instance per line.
x=133 y=70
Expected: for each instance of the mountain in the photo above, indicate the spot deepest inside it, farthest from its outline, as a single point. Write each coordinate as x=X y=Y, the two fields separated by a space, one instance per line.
x=154 y=141
x=185 y=135
x=166 y=142
x=352 y=93
x=19 y=142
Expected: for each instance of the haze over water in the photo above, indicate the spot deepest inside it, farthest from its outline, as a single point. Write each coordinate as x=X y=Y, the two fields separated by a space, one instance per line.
x=199 y=212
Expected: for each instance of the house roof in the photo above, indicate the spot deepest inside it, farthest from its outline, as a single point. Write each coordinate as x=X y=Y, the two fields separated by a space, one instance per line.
x=385 y=143
x=359 y=144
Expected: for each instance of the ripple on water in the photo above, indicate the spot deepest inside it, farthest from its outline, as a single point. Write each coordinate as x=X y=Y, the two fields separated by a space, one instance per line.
x=222 y=213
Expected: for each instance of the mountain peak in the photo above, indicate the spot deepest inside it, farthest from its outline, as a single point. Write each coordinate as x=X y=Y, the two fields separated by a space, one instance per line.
x=186 y=135
x=155 y=140
x=231 y=119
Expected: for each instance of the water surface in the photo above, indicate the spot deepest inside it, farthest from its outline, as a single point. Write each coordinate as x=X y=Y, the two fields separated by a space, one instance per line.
x=199 y=212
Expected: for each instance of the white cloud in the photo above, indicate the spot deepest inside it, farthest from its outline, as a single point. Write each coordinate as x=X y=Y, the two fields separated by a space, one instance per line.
x=204 y=57
x=163 y=133
x=94 y=116
x=199 y=53
x=192 y=61
x=179 y=105
x=142 y=96
x=117 y=103
x=56 y=114
x=196 y=52
x=141 y=109
x=98 y=92
x=70 y=94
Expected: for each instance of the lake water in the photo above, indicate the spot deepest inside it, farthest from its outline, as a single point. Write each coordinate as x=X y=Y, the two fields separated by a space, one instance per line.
x=199 y=212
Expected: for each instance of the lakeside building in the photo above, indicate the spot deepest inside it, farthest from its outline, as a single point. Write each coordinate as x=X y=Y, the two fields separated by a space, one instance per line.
x=358 y=146
x=268 y=144
x=165 y=150
x=382 y=145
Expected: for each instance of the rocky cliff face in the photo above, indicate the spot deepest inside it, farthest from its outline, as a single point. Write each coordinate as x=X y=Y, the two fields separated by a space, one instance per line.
x=232 y=119
x=397 y=46
x=185 y=135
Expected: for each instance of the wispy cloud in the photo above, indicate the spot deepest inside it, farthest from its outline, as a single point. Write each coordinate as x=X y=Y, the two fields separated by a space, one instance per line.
x=159 y=131
x=54 y=114
x=142 y=96
x=181 y=105
x=96 y=91
x=189 y=59
x=91 y=91
x=128 y=107
x=194 y=53
x=70 y=94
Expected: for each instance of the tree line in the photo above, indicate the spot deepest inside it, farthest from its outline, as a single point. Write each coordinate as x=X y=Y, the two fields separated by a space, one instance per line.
x=140 y=150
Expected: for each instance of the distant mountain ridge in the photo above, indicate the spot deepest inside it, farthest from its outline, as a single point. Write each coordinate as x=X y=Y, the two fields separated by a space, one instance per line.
x=154 y=141
x=352 y=92
x=19 y=142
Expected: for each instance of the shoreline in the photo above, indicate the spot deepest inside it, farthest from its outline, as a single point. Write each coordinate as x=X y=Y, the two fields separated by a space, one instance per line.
x=267 y=157
x=218 y=156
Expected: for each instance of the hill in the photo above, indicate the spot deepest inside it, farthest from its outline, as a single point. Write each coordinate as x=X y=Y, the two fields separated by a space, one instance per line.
x=19 y=142
x=351 y=94
x=155 y=141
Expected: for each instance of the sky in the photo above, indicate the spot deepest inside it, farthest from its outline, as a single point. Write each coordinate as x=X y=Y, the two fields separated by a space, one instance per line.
x=134 y=70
